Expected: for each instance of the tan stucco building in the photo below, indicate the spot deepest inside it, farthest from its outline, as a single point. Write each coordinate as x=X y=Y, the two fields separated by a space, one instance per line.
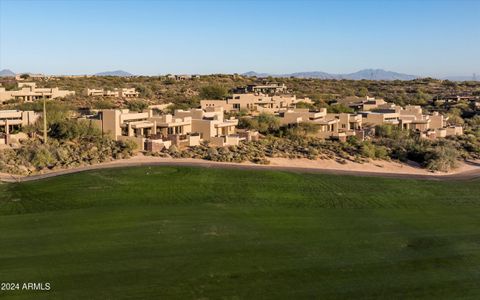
x=336 y=126
x=11 y=122
x=267 y=88
x=183 y=128
x=212 y=125
x=28 y=92
x=411 y=117
x=116 y=93
x=255 y=103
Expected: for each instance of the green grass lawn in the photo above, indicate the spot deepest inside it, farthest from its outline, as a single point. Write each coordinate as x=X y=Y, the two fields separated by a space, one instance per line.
x=190 y=233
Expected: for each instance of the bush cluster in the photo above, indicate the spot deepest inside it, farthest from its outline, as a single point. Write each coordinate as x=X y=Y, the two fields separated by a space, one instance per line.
x=35 y=156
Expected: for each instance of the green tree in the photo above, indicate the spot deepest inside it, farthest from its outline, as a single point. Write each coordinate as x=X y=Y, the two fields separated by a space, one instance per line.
x=339 y=108
x=304 y=129
x=362 y=92
x=268 y=123
x=215 y=92
x=302 y=104
x=264 y=123
x=385 y=130
x=137 y=105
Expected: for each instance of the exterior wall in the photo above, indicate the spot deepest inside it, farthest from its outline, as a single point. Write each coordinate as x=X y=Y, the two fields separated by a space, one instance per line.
x=420 y=126
x=204 y=127
x=410 y=110
x=157 y=145
x=375 y=119
x=248 y=135
x=437 y=121
x=441 y=132
x=454 y=130
x=139 y=141
x=4 y=95
x=347 y=121
x=204 y=104
x=372 y=103
x=110 y=122
x=297 y=115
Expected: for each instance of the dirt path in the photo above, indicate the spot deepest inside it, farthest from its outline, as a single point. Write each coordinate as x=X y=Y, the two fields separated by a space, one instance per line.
x=468 y=171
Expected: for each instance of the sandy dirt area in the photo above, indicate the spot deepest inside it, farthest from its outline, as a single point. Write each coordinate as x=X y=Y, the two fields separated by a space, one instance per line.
x=466 y=170
x=381 y=166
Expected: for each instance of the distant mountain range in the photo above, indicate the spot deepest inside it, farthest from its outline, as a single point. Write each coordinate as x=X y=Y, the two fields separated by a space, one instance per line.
x=370 y=74
x=119 y=73
x=6 y=73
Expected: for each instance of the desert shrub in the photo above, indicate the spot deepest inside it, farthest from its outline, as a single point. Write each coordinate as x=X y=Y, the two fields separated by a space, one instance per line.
x=267 y=123
x=137 y=105
x=368 y=150
x=442 y=158
x=35 y=156
x=103 y=104
x=144 y=91
x=381 y=152
x=339 y=108
x=72 y=129
x=302 y=104
x=264 y=123
x=385 y=130
x=303 y=129
x=213 y=92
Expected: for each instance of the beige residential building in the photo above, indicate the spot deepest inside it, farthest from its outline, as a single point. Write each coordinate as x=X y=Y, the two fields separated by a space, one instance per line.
x=95 y=92
x=365 y=104
x=122 y=124
x=380 y=118
x=212 y=126
x=295 y=116
x=268 y=89
x=255 y=103
x=122 y=93
x=347 y=122
x=127 y=93
x=18 y=77
x=29 y=92
x=11 y=122
x=336 y=126
x=371 y=103
x=184 y=128
x=411 y=117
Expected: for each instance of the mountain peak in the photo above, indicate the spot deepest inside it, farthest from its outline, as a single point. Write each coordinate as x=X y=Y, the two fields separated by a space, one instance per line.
x=119 y=73
x=7 y=73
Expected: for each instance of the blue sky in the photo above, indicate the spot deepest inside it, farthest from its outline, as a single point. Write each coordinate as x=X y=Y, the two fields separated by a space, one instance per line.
x=422 y=37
